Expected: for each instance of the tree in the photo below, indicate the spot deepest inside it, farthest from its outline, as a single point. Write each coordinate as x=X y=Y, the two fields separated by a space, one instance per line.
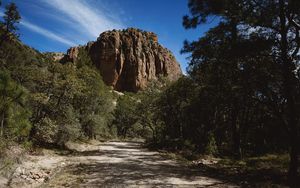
x=125 y=115
x=69 y=101
x=281 y=20
x=227 y=32
x=93 y=103
x=275 y=26
x=14 y=118
x=149 y=109
x=11 y=18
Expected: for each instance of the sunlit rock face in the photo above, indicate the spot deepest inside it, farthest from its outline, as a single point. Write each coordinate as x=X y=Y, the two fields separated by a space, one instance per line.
x=129 y=59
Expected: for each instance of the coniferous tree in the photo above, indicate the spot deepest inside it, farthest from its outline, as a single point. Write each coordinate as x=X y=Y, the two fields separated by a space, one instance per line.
x=14 y=119
x=10 y=19
x=275 y=25
x=229 y=13
x=281 y=20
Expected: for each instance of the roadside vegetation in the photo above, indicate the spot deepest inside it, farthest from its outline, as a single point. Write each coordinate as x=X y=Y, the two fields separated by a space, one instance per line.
x=240 y=99
x=45 y=103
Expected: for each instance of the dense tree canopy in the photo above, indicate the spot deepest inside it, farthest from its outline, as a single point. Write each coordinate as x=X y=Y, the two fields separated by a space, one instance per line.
x=63 y=101
x=251 y=36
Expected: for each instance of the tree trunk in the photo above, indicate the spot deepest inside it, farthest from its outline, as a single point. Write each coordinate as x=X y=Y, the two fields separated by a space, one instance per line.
x=293 y=166
x=236 y=136
x=4 y=121
x=289 y=93
x=2 y=124
x=153 y=132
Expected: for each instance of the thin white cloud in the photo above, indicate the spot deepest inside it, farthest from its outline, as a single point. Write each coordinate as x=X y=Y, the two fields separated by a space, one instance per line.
x=90 y=20
x=80 y=20
x=46 y=33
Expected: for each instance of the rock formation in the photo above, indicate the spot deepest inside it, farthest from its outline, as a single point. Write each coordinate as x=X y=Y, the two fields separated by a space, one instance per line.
x=57 y=56
x=129 y=59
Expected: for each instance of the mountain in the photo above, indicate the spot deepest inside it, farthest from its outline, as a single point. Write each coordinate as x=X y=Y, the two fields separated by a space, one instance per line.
x=129 y=59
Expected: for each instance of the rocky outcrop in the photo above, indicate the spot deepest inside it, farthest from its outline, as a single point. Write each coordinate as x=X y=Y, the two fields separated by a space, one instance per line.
x=56 y=56
x=129 y=59
x=73 y=53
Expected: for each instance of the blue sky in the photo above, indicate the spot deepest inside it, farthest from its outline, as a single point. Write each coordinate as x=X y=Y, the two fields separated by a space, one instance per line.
x=56 y=25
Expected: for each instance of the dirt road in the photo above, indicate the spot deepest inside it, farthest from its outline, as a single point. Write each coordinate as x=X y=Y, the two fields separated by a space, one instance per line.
x=126 y=164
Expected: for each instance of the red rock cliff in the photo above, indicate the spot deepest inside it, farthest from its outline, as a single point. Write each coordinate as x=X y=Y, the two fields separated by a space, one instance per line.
x=129 y=59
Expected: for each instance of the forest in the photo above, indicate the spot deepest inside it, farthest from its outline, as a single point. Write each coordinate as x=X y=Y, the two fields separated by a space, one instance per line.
x=239 y=100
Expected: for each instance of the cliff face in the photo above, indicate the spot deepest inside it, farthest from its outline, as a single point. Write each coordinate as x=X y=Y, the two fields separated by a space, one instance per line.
x=129 y=59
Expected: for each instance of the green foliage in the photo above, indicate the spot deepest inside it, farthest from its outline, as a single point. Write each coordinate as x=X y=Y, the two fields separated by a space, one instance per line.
x=126 y=115
x=75 y=102
x=67 y=101
x=234 y=101
x=46 y=130
x=248 y=64
x=19 y=125
x=211 y=146
x=136 y=114
x=14 y=115
x=10 y=19
x=83 y=59
x=182 y=118
x=94 y=103
x=148 y=109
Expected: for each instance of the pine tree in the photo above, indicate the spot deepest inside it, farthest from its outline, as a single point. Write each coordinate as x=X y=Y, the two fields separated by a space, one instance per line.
x=11 y=18
x=275 y=26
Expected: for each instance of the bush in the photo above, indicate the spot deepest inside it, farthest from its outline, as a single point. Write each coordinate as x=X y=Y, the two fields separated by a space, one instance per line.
x=211 y=146
x=46 y=131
